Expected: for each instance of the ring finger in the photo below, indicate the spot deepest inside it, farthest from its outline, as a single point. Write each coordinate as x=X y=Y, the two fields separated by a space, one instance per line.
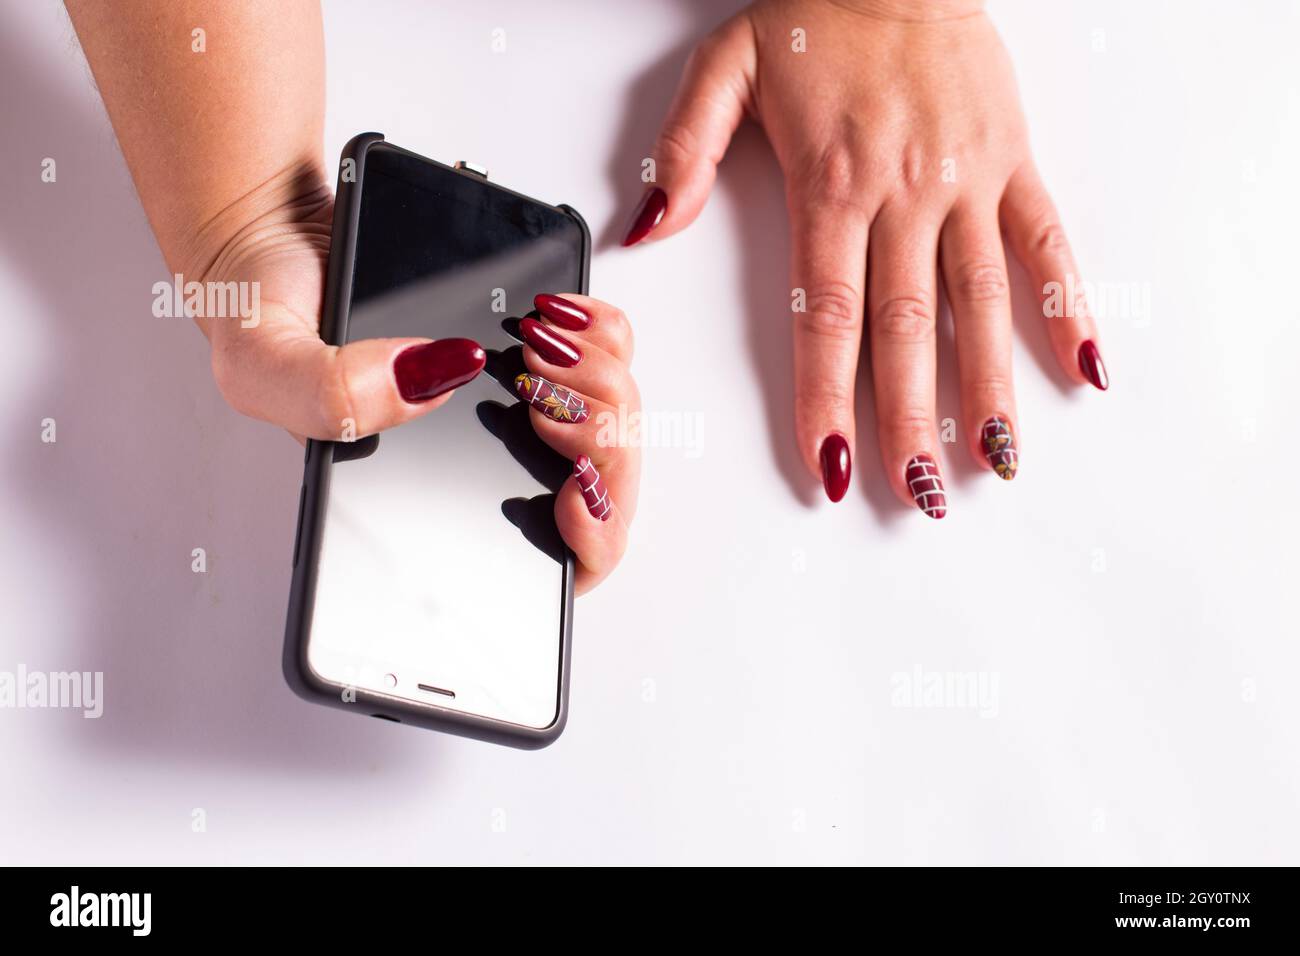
x=975 y=275
x=574 y=405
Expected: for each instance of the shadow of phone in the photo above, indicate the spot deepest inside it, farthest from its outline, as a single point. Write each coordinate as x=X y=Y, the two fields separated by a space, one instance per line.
x=534 y=517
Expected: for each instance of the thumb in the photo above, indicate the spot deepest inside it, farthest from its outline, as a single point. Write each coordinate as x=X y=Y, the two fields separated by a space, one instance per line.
x=281 y=372
x=709 y=105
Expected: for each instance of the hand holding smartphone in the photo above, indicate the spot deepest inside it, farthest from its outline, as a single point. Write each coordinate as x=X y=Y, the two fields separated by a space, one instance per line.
x=433 y=576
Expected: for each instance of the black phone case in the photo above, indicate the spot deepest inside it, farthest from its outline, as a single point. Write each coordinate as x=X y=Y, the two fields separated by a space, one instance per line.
x=314 y=494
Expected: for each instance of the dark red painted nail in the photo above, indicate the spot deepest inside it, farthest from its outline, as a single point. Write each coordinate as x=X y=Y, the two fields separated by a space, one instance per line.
x=836 y=466
x=1091 y=365
x=562 y=312
x=554 y=401
x=648 y=215
x=593 y=488
x=1000 y=447
x=926 y=486
x=549 y=344
x=426 y=371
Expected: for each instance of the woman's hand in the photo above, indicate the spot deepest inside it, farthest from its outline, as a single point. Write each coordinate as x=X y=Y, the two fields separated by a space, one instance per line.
x=577 y=357
x=580 y=388
x=260 y=214
x=278 y=369
x=577 y=380
x=900 y=134
x=219 y=110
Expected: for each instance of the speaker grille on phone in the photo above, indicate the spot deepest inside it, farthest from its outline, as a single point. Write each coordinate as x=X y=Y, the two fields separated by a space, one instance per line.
x=437 y=690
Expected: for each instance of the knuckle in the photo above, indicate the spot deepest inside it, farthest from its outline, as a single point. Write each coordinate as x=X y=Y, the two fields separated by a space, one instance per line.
x=832 y=312
x=813 y=400
x=619 y=329
x=707 y=52
x=905 y=319
x=981 y=281
x=1048 y=238
x=832 y=178
x=616 y=548
x=989 y=388
x=334 y=403
x=614 y=385
x=912 y=168
x=625 y=390
x=911 y=420
x=817 y=388
x=677 y=144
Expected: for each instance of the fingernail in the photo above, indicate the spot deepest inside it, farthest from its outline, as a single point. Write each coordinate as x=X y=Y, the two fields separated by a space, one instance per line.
x=926 y=486
x=426 y=371
x=1091 y=365
x=836 y=466
x=653 y=206
x=554 y=401
x=549 y=344
x=1000 y=447
x=593 y=488
x=562 y=312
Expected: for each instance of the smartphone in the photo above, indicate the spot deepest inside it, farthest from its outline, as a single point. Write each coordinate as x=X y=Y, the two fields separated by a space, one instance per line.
x=430 y=585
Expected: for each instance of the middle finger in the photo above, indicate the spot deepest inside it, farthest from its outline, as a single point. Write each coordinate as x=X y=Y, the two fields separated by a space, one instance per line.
x=903 y=302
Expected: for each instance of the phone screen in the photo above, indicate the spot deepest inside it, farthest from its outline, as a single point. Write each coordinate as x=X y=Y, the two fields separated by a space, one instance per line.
x=440 y=578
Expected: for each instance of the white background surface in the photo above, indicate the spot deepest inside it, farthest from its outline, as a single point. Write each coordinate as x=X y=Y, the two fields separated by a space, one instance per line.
x=1145 y=713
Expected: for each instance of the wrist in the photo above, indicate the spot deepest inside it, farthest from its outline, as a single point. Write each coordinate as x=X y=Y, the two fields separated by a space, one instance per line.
x=293 y=208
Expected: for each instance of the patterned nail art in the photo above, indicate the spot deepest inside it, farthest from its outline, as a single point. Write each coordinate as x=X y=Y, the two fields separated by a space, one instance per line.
x=1000 y=447
x=593 y=488
x=926 y=486
x=554 y=401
